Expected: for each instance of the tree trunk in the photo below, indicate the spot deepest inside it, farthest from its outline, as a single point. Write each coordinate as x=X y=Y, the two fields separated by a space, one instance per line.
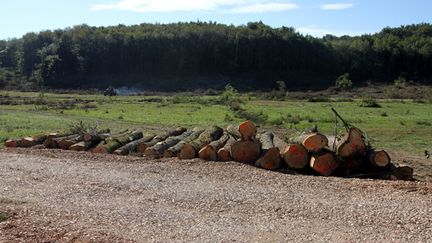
x=224 y=153
x=190 y=150
x=96 y=136
x=143 y=146
x=157 y=150
x=53 y=142
x=270 y=155
x=113 y=143
x=313 y=142
x=379 y=159
x=401 y=172
x=245 y=131
x=245 y=151
x=233 y=130
x=324 y=163
x=132 y=146
x=66 y=142
x=173 y=151
x=12 y=143
x=350 y=145
x=82 y=146
x=209 y=152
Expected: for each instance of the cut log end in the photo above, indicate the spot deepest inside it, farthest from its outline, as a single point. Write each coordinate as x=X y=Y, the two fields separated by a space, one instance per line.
x=224 y=155
x=379 y=158
x=152 y=153
x=315 y=142
x=11 y=143
x=100 y=150
x=187 y=152
x=141 y=148
x=247 y=130
x=324 y=164
x=295 y=156
x=354 y=144
x=208 y=153
x=245 y=151
x=270 y=160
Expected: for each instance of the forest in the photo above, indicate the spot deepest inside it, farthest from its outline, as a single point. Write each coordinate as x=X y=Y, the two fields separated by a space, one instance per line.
x=209 y=55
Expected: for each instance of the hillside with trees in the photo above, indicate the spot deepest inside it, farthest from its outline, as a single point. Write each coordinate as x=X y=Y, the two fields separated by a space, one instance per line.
x=203 y=55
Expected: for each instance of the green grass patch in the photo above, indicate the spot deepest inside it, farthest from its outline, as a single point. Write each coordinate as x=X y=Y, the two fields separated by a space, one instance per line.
x=4 y=216
x=394 y=125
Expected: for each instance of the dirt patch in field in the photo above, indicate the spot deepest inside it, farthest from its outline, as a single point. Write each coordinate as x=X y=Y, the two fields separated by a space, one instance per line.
x=67 y=196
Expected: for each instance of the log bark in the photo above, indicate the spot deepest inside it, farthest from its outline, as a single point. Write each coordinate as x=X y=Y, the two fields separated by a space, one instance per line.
x=12 y=143
x=96 y=137
x=190 y=150
x=233 y=130
x=245 y=151
x=53 y=142
x=82 y=146
x=113 y=143
x=245 y=131
x=132 y=146
x=28 y=142
x=350 y=145
x=324 y=163
x=66 y=142
x=401 y=172
x=224 y=153
x=379 y=159
x=175 y=132
x=270 y=156
x=209 y=152
x=313 y=142
x=173 y=151
x=157 y=150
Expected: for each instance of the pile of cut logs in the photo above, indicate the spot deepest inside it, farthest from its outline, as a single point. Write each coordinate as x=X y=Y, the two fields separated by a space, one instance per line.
x=309 y=153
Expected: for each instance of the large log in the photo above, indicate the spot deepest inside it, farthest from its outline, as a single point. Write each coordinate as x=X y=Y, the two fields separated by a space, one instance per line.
x=294 y=155
x=245 y=151
x=113 y=143
x=82 y=146
x=66 y=142
x=313 y=142
x=379 y=159
x=350 y=145
x=270 y=156
x=53 y=142
x=161 y=137
x=224 y=153
x=28 y=142
x=245 y=131
x=96 y=137
x=12 y=143
x=158 y=149
x=324 y=163
x=401 y=172
x=173 y=151
x=190 y=150
x=132 y=146
x=209 y=152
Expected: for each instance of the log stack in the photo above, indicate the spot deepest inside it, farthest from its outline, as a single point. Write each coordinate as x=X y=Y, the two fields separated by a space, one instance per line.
x=311 y=152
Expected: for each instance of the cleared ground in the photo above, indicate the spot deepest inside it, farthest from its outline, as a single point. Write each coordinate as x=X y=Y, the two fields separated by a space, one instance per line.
x=81 y=197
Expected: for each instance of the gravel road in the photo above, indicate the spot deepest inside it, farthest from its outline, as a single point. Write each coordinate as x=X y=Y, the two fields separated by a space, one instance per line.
x=81 y=197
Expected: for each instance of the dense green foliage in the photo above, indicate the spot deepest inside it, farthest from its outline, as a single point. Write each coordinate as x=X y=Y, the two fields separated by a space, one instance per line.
x=210 y=55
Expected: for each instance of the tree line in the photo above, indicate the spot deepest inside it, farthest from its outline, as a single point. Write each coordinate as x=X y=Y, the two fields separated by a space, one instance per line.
x=209 y=55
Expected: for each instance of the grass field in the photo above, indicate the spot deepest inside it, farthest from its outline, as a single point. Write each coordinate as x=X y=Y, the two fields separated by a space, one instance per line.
x=396 y=124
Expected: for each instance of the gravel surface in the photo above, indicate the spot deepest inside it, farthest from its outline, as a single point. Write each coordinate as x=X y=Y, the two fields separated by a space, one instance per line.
x=81 y=197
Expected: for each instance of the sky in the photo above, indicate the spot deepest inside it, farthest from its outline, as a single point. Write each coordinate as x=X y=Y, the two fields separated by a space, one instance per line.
x=313 y=17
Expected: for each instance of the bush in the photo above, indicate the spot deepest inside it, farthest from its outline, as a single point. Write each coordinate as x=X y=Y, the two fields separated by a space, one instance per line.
x=370 y=102
x=344 y=82
x=400 y=82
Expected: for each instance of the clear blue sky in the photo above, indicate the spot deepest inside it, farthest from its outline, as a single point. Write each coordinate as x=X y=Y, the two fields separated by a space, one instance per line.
x=315 y=17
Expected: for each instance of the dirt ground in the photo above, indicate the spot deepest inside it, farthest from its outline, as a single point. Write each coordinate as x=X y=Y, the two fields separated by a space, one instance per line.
x=62 y=196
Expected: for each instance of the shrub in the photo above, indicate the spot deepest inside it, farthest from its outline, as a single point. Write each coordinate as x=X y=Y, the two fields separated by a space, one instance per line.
x=370 y=102
x=400 y=82
x=344 y=82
